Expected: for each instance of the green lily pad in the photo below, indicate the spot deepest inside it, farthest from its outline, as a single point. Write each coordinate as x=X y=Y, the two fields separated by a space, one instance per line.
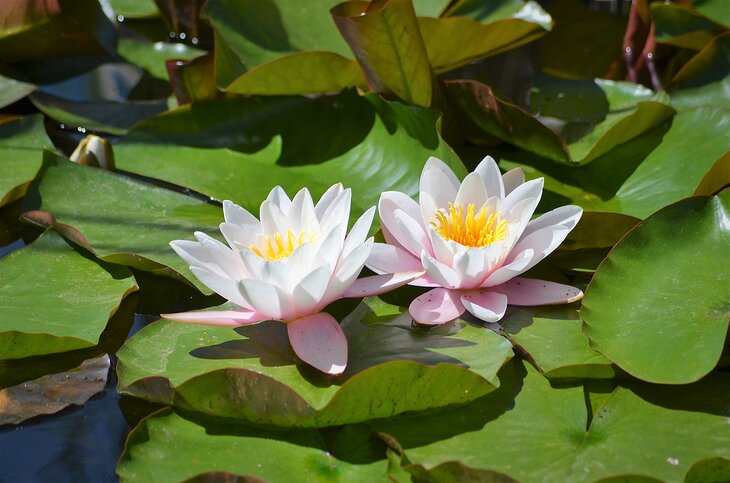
x=704 y=81
x=134 y=8
x=487 y=12
x=152 y=56
x=387 y=42
x=682 y=26
x=637 y=433
x=659 y=305
x=239 y=149
x=121 y=220
x=56 y=298
x=716 y=178
x=168 y=447
x=251 y=373
x=552 y=339
x=12 y=90
x=21 y=155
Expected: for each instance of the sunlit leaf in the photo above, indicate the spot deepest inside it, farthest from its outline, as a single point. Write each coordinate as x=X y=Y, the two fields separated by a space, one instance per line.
x=152 y=56
x=251 y=373
x=56 y=298
x=659 y=305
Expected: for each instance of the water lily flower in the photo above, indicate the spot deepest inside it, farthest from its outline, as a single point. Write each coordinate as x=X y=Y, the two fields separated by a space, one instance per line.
x=473 y=239
x=289 y=266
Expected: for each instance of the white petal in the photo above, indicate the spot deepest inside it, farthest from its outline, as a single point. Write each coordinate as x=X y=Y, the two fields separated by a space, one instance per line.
x=471 y=191
x=411 y=234
x=278 y=272
x=329 y=249
x=266 y=299
x=565 y=216
x=443 y=250
x=347 y=272
x=439 y=273
x=308 y=293
x=485 y=305
x=319 y=341
x=386 y=258
x=528 y=291
x=512 y=179
x=542 y=242
x=359 y=232
x=273 y=219
x=388 y=203
x=223 y=286
x=196 y=255
x=517 y=265
x=377 y=284
x=491 y=176
x=326 y=200
x=279 y=198
x=253 y=263
x=224 y=318
x=238 y=215
x=531 y=190
x=337 y=213
x=438 y=187
x=234 y=233
x=470 y=267
x=301 y=213
x=222 y=255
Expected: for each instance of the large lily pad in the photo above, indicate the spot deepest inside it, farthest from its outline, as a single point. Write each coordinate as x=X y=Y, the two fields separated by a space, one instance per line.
x=169 y=447
x=638 y=433
x=21 y=155
x=659 y=304
x=552 y=339
x=252 y=374
x=239 y=149
x=121 y=220
x=56 y=298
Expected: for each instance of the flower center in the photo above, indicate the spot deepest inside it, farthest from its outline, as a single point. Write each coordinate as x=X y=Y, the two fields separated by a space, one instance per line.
x=470 y=229
x=277 y=246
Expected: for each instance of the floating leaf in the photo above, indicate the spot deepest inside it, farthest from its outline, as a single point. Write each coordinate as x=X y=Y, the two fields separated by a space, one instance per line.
x=152 y=56
x=239 y=149
x=13 y=90
x=121 y=220
x=50 y=393
x=21 y=155
x=716 y=178
x=251 y=373
x=637 y=433
x=56 y=298
x=167 y=446
x=552 y=338
x=387 y=43
x=682 y=26
x=658 y=306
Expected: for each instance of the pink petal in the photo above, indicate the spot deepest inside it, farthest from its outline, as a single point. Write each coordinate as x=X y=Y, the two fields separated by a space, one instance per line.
x=319 y=341
x=386 y=258
x=219 y=317
x=436 y=306
x=485 y=305
x=424 y=281
x=564 y=217
x=389 y=202
x=514 y=267
x=410 y=233
x=528 y=291
x=377 y=284
x=438 y=186
x=472 y=191
x=439 y=272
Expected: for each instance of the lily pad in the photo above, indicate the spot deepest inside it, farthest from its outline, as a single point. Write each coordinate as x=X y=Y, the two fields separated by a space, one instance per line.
x=21 y=155
x=551 y=337
x=56 y=298
x=239 y=149
x=13 y=90
x=167 y=446
x=50 y=393
x=659 y=305
x=132 y=224
x=637 y=433
x=251 y=373
x=152 y=55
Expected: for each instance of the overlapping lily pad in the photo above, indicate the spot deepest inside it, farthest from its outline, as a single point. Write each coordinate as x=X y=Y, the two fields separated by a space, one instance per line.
x=239 y=149
x=56 y=298
x=21 y=154
x=660 y=303
x=121 y=220
x=552 y=338
x=251 y=373
x=638 y=433
x=167 y=446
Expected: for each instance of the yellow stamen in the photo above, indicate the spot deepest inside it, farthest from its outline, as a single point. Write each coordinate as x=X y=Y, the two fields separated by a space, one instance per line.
x=470 y=229
x=277 y=246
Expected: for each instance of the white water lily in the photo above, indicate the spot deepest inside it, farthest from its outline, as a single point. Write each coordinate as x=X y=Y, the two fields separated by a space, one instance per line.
x=289 y=266
x=473 y=239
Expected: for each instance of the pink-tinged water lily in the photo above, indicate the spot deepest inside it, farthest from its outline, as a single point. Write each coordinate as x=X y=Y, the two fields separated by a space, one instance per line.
x=473 y=239
x=288 y=267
